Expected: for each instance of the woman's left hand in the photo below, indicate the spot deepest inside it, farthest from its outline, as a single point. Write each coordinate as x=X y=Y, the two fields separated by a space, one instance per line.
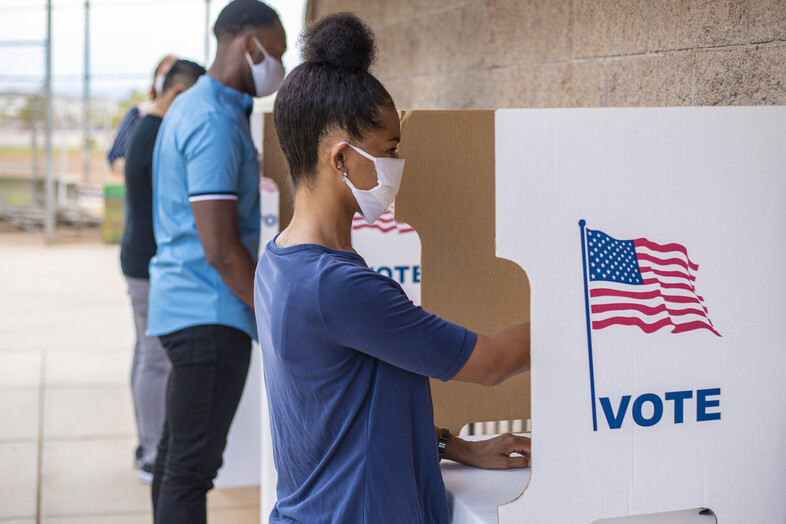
x=493 y=453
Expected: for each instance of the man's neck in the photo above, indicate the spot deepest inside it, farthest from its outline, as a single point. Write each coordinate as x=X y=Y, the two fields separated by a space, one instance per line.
x=161 y=106
x=227 y=71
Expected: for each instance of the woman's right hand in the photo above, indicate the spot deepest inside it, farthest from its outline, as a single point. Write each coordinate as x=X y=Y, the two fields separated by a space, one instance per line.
x=505 y=451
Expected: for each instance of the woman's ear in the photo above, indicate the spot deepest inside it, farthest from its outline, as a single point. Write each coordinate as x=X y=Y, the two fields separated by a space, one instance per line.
x=337 y=157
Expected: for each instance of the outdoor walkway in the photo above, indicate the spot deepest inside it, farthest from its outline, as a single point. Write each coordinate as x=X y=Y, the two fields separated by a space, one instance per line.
x=66 y=422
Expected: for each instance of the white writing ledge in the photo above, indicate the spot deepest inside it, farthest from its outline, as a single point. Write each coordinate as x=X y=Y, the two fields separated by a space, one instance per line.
x=474 y=494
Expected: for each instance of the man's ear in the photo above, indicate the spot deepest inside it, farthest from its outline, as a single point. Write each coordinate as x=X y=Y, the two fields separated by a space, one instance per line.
x=251 y=47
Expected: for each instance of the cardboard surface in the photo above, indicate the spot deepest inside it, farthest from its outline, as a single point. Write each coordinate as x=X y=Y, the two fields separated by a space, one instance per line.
x=447 y=196
x=705 y=417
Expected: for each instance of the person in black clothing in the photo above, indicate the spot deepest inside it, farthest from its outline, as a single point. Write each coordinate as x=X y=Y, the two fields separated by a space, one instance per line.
x=117 y=153
x=150 y=366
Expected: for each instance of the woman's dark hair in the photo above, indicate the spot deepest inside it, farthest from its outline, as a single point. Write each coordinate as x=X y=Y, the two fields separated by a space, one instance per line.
x=240 y=15
x=331 y=89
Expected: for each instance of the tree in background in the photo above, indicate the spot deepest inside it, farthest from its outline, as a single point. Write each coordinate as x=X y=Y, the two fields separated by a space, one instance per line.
x=135 y=98
x=32 y=110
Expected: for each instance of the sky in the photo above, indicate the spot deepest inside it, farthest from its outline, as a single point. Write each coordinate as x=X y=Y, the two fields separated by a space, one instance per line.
x=127 y=38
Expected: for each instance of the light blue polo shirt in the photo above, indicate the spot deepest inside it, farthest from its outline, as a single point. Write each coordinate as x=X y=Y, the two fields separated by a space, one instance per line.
x=203 y=152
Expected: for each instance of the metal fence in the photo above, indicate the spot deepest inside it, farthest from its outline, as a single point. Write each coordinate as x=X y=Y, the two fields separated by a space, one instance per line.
x=22 y=133
x=66 y=185
x=40 y=190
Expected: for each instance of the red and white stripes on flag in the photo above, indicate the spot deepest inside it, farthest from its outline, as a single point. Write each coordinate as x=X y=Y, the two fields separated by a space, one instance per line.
x=268 y=185
x=386 y=223
x=644 y=284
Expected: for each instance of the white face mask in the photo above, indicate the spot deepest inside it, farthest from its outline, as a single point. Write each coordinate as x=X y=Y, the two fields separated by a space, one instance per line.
x=375 y=201
x=268 y=74
x=158 y=85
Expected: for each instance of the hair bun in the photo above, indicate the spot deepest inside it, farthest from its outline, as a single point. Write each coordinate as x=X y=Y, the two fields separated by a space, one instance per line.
x=342 y=40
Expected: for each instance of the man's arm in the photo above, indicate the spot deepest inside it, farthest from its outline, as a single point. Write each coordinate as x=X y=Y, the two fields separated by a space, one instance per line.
x=218 y=228
x=497 y=357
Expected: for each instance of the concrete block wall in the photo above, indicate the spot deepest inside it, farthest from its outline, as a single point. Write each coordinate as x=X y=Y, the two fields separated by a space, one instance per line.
x=488 y=54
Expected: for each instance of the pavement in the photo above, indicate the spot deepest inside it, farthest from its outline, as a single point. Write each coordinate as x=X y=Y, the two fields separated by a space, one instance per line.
x=67 y=432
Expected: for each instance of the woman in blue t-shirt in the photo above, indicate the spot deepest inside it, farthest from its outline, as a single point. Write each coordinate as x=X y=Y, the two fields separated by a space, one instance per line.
x=347 y=356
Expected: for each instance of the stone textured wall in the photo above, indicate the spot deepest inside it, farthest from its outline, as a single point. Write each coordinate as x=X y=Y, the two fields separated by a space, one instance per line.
x=488 y=54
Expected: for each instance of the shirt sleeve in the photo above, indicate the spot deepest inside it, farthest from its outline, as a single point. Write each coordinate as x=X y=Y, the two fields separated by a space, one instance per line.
x=213 y=157
x=371 y=314
x=120 y=144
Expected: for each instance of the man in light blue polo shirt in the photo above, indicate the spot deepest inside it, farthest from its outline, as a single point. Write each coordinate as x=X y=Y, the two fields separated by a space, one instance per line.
x=206 y=223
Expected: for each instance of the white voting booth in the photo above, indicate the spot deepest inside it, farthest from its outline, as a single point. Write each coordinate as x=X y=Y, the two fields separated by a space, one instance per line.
x=679 y=401
x=652 y=241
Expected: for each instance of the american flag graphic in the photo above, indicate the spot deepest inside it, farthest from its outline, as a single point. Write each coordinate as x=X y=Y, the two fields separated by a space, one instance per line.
x=268 y=185
x=644 y=284
x=386 y=223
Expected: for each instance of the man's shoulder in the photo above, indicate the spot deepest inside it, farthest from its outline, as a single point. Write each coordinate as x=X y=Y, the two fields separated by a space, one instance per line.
x=190 y=115
x=199 y=101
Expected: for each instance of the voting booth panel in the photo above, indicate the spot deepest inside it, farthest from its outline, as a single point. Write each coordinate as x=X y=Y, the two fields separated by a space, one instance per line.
x=391 y=248
x=653 y=241
x=653 y=393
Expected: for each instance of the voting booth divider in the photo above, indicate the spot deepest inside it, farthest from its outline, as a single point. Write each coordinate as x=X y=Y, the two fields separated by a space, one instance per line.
x=646 y=248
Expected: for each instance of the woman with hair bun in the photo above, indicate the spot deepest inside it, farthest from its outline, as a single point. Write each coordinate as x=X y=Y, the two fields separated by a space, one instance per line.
x=346 y=354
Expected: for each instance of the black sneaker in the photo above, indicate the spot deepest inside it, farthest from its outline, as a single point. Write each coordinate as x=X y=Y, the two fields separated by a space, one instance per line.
x=146 y=474
x=138 y=454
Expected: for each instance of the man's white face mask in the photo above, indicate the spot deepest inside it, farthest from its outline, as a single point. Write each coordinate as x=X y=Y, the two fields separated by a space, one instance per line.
x=268 y=74
x=375 y=201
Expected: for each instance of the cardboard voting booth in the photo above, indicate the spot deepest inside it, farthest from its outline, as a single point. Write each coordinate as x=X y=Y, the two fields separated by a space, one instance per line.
x=653 y=241
x=646 y=248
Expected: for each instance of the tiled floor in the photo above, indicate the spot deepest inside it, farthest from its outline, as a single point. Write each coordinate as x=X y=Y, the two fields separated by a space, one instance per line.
x=66 y=422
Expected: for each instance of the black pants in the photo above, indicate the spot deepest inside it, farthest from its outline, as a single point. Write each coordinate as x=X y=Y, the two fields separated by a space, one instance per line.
x=209 y=368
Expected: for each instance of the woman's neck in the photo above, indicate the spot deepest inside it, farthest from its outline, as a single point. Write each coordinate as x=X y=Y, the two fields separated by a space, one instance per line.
x=319 y=218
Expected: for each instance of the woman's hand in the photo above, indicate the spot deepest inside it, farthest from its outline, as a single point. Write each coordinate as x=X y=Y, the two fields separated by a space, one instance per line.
x=493 y=453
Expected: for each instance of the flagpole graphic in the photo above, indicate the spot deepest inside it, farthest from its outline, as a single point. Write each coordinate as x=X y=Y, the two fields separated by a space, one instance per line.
x=638 y=283
x=582 y=223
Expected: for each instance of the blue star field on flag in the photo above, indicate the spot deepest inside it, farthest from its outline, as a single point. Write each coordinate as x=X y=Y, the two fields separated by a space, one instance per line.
x=612 y=260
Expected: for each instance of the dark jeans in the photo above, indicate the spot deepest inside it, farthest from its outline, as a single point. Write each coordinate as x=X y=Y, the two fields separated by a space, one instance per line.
x=209 y=368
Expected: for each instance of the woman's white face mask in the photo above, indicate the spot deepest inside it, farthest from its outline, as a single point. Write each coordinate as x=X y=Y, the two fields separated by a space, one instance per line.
x=158 y=85
x=375 y=201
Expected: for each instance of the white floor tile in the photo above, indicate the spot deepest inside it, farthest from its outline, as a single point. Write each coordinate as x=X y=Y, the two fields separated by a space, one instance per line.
x=88 y=412
x=18 y=476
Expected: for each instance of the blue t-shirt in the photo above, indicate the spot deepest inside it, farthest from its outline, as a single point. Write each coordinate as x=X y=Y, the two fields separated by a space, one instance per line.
x=203 y=152
x=346 y=358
